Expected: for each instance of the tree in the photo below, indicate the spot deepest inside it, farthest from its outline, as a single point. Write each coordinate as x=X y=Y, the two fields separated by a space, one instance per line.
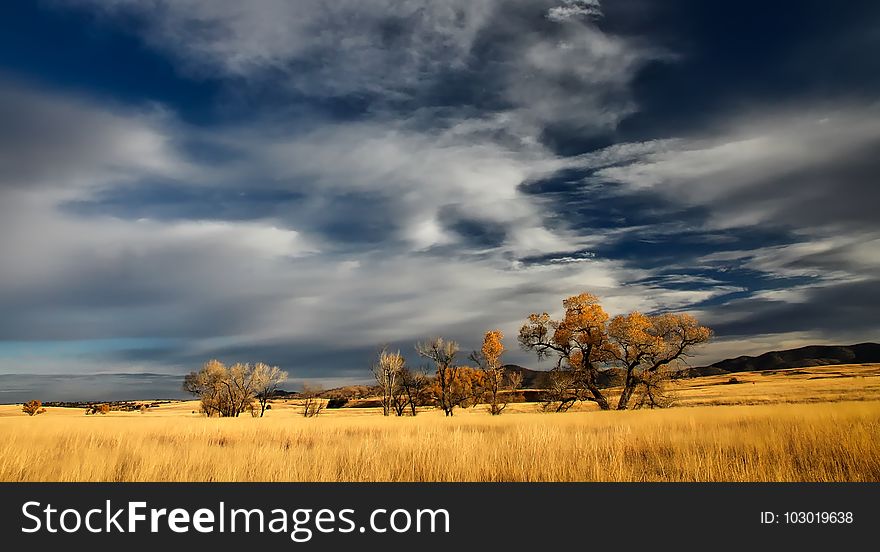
x=32 y=408
x=224 y=391
x=579 y=341
x=584 y=341
x=207 y=385
x=646 y=346
x=241 y=387
x=467 y=386
x=514 y=382
x=414 y=387
x=312 y=403
x=387 y=371
x=446 y=388
x=488 y=358
x=267 y=379
x=561 y=393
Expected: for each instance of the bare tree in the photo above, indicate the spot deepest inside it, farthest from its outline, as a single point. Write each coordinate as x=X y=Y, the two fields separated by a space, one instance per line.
x=442 y=353
x=514 y=382
x=312 y=403
x=387 y=371
x=206 y=384
x=241 y=387
x=224 y=391
x=561 y=393
x=413 y=390
x=267 y=379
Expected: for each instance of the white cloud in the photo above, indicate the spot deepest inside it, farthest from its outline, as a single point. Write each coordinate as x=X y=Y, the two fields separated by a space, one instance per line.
x=344 y=46
x=67 y=144
x=573 y=9
x=743 y=173
x=215 y=282
x=397 y=50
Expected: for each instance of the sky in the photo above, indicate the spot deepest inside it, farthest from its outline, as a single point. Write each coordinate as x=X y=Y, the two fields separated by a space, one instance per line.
x=299 y=182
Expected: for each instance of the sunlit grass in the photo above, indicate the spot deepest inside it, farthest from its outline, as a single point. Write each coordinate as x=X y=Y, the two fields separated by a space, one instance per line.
x=806 y=441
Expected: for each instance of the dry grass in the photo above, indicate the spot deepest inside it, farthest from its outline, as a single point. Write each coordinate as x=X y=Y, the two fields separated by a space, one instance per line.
x=809 y=441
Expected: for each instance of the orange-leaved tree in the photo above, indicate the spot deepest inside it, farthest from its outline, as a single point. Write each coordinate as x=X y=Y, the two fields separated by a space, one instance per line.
x=32 y=408
x=646 y=347
x=579 y=341
x=585 y=342
x=453 y=385
x=496 y=388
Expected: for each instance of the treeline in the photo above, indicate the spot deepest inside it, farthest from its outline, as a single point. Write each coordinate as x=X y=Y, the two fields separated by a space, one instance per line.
x=585 y=343
x=452 y=385
x=35 y=407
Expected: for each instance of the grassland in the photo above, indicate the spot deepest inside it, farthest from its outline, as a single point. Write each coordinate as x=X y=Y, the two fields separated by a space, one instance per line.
x=814 y=424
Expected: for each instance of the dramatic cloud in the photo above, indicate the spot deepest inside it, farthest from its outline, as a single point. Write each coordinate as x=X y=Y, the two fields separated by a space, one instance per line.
x=375 y=171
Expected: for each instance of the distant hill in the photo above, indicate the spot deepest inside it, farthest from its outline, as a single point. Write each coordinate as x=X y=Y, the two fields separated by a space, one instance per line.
x=811 y=355
x=531 y=379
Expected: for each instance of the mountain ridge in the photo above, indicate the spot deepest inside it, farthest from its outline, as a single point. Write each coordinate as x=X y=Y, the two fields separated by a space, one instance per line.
x=800 y=357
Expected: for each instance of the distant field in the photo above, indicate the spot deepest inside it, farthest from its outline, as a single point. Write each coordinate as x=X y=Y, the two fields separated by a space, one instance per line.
x=814 y=424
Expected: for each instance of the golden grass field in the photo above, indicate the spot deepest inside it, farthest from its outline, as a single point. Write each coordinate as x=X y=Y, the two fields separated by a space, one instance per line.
x=811 y=424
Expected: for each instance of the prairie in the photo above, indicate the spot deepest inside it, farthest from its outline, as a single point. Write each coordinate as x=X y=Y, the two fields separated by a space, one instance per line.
x=810 y=424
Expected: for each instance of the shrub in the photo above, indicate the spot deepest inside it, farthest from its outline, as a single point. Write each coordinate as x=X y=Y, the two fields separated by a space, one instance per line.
x=336 y=403
x=98 y=409
x=32 y=408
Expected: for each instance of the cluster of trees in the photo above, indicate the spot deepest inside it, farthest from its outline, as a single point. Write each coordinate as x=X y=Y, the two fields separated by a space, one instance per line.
x=228 y=391
x=452 y=385
x=586 y=344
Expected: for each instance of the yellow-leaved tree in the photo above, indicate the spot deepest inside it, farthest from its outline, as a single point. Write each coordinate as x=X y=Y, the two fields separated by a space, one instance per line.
x=586 y=344
x=497 y=389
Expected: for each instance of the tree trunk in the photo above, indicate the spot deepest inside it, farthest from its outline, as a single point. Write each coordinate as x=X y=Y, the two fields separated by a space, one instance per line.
x=628 y=388
x=625 y=396
x=598 y=396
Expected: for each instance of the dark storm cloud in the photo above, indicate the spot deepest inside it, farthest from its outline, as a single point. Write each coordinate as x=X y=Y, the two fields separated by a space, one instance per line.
x=578 y=202
x=642 y=226
x=840 y=192
x=732 y=57
x=475 y=232
x=345 y=219
x=848 y=308
x=172 y=201
x=46 y=141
